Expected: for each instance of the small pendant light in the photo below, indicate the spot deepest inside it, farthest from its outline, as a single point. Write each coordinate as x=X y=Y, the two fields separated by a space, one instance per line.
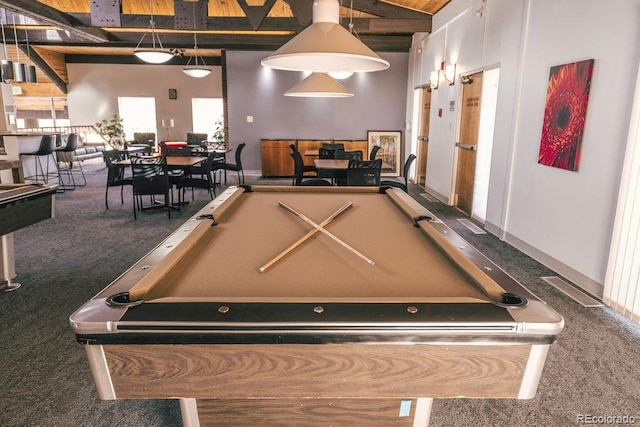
x=6 y=66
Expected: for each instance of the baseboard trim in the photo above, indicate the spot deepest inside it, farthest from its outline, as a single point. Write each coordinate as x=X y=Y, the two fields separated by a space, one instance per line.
x=587 y=284
x=444 y=199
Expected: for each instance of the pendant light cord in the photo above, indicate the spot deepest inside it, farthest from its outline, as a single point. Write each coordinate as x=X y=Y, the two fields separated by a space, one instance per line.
x=15 y=36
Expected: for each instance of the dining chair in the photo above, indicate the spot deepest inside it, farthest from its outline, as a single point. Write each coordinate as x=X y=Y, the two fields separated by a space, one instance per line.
x=333 y=146
x=305 y=168
x=150 y=178
x=199 y=177
x=115 y=174
x=402 y=185
x=234 y=167
x=299 y=173
x=326 y=153
x=364 y=172
x=340 y=175
x=196 y=138
x=374 y=152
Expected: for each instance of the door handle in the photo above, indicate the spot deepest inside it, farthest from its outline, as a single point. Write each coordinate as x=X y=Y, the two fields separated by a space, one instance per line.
x=466 y=146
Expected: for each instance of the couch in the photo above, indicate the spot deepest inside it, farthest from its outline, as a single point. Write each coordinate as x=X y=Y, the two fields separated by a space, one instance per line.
x=86 y=150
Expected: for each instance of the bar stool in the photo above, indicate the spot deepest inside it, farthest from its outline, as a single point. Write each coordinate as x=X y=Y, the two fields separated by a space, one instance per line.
x=47 y=148
x=67 y=155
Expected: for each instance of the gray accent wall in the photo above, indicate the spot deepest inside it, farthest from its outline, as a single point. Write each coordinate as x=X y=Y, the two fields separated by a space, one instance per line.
x=253 y=90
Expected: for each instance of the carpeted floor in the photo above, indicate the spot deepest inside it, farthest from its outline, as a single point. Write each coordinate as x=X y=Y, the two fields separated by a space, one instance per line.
x=62 y=262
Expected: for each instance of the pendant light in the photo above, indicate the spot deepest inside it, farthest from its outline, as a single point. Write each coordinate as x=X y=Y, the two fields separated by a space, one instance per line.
x=19 y=70
x=153 y=55
x=325 y=46
x=319 y=85
x=195 y=70
x=6 y=66
x=31 y=69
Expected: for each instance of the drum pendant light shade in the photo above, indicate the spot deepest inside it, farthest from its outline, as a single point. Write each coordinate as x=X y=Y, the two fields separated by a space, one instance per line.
x=319 y=85
x=6 y=67
x=19 y=72
x=31 y=74
x=325 y=46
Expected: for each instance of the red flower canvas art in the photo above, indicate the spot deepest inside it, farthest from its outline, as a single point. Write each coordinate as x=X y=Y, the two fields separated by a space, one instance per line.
x=564 y=114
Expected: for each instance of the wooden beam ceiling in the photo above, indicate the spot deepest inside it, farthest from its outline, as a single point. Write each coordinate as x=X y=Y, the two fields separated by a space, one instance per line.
x=61 y=31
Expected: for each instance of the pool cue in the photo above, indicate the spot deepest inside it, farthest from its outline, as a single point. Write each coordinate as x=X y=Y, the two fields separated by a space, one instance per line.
x=322 y=230
x=304 y=238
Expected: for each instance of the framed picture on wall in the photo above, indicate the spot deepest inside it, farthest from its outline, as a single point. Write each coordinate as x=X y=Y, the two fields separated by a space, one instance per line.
x=390 y=143
x=565 y=114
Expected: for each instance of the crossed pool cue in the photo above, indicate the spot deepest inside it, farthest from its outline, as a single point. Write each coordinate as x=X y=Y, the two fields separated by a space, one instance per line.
x=316 y=228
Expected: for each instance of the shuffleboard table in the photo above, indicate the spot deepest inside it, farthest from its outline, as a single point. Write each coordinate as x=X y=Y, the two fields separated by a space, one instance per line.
x=20 y=206
x=314 y=306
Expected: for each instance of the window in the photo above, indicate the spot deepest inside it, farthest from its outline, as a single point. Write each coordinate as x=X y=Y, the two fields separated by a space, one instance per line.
x=138 y=114
x=206 y=112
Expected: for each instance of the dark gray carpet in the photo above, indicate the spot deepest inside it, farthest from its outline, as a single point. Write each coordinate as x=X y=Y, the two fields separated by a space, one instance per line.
x=62 y=262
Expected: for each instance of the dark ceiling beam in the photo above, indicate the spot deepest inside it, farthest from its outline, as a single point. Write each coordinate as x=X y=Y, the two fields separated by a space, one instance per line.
x=302 y=10
x=390 y=25
x=247 y=42
x=39 y=62
x=256 y=14
x=130 y=59
x=43 y=13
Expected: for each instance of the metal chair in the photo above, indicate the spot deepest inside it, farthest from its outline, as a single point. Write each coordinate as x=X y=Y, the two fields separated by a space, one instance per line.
x=199 y=177
x=150 y=178
x=234 y=167
x=299 y=172
x=374 y=152
x=305 y=168
x=364 y=172
x=115 y=174
x=46 y=149
x=402 y=185
x=67 y=154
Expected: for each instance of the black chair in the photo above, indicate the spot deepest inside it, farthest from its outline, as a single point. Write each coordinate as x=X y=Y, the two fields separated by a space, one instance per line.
x=305 y=168
x=349 y=155
x=46 y=149
x=234 y=167
x=374 y=152
x=299 y=173
x=196 y=138
x=340 y=176
x=326 y=153
x=333 y=146
x=146 y=140
x=115 y=174
x=364 y=172
x=150 y=178
x=67 y=155
x=200 y=177
x=402 y=185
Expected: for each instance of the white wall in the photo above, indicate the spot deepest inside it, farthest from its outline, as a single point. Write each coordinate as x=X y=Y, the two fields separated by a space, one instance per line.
x=562 y=218
x=94 y=90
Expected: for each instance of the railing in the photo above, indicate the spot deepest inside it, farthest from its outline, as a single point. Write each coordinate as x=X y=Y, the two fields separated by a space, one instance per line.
x=88 y=133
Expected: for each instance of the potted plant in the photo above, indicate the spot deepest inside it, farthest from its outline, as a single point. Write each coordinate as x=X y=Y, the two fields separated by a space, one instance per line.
x=218 y=132
x=112 y=131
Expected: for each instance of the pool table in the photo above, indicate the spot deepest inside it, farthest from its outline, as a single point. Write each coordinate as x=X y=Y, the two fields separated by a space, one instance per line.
x=314 y=306
x=21 y=205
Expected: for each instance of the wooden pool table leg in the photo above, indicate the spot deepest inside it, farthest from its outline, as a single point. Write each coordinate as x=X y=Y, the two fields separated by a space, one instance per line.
x=189 y=410
x=423 y=412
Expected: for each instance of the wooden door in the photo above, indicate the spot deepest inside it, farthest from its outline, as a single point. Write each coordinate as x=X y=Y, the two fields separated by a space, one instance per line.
x=423 y=137
x=468 y=142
